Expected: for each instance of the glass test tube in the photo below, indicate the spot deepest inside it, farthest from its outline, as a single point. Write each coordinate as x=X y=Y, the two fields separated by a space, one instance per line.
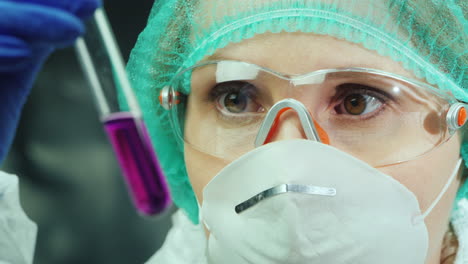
x=121 y=116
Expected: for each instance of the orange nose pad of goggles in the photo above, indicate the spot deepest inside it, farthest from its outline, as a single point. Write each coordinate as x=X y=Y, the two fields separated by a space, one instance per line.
x=322 y=134
x=320 y=131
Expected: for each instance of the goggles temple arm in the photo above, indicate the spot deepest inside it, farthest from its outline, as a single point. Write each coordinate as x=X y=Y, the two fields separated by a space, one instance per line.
x=456 y=117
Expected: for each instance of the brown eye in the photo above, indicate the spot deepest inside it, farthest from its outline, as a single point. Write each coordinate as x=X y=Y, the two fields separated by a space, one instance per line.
x=235 y=102
x=359 y=104
x=236 y=97
x=355 y=104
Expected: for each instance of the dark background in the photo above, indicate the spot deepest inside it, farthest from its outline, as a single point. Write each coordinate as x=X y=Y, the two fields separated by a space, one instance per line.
x=70 y=183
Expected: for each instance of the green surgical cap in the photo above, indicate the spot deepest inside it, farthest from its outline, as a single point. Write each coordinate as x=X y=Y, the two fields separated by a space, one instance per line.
x=428 y=37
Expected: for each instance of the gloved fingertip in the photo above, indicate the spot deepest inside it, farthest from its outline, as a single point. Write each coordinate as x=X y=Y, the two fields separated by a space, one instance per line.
x=60 y=37
x=13 y=47
x=87 y=8
x=14 y=53
x=40 y=24
x=69 y=37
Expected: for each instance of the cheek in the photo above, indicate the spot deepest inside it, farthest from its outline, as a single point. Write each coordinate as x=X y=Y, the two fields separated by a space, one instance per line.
x=425 y=177
x=428 y=174
x=201 y=168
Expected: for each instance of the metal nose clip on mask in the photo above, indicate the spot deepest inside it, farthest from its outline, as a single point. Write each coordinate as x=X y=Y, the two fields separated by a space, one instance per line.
x=301 y=201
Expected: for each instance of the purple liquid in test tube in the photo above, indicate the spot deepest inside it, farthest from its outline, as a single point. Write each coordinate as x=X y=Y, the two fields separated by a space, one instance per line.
x=138 y=162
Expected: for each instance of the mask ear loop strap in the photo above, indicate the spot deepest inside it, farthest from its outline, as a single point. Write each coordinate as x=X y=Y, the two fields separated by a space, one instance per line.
x=447 y=185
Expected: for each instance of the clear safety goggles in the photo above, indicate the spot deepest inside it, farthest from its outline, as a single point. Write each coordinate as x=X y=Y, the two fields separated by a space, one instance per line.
x=376 y=116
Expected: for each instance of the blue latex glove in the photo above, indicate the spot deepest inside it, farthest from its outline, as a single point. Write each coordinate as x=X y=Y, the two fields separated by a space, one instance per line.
x=29 y=31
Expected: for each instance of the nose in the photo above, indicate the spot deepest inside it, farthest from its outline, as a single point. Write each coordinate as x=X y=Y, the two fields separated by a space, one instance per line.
x=289 y=119
x=287 y=126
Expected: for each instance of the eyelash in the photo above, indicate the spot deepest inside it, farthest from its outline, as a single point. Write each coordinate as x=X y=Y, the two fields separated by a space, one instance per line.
x=380 y=95
x=229 y=87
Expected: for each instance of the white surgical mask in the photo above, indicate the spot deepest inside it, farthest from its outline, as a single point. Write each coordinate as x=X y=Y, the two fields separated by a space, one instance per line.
x=299 y=201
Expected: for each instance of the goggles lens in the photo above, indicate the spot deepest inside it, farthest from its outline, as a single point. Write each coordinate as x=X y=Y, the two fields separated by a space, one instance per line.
x=375 y=116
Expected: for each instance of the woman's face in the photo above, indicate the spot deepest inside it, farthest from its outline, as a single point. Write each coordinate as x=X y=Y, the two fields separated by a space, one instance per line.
x=299 y=53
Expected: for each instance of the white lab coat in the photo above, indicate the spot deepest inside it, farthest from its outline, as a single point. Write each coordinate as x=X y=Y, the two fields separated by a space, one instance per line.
x=17 y=231
x=185 y=243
